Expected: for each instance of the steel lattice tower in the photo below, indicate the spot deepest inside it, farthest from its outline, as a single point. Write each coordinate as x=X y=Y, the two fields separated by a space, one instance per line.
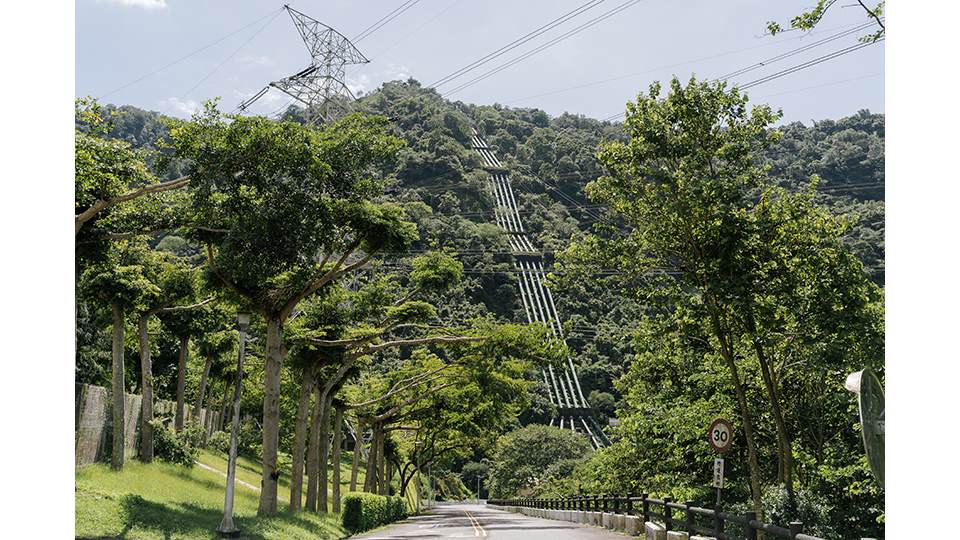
x=320 y=86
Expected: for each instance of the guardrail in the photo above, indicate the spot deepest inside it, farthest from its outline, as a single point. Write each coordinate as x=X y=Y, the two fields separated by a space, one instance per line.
x=674 y=516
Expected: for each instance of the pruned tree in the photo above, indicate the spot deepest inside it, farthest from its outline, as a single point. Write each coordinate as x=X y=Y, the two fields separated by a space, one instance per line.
x=107 y=172
x=121 y=281
x=287 y=211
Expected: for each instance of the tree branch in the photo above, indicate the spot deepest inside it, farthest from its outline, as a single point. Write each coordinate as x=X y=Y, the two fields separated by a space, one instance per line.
x=184 y=308
x=102 y=204
x=418 y=341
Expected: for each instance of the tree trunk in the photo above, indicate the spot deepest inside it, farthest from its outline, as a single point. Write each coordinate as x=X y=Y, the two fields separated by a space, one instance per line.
x=388 y=477
x=370 y=478
x=357 y=452
x=116 y=458
x=337 y=447
x=323 y=500
x=271 y=415
x=198 y=406
x=300 y=439
x=181 y=382
x=313 y=452
x=382 y=477
x=726 y=350
x=783 y=436
x=146 y=384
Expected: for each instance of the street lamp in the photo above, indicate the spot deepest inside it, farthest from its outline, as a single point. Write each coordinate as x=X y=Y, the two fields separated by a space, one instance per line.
x=479 y=476
x=227 y=529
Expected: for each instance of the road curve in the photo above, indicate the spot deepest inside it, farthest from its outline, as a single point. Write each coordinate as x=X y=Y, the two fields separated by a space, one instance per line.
x=481 y=521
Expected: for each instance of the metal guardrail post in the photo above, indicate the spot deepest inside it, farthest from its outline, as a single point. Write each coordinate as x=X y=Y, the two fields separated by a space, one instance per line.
x=667 y=514
x=645 y=504
x=616 y=504
x=689 y=516
x=796 y=528
x=596 y=503
x=751 y=532
x=629 y=504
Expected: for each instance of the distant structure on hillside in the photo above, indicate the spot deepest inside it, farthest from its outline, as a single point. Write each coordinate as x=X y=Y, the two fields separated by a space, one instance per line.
x=320 y=86
x=563 y=386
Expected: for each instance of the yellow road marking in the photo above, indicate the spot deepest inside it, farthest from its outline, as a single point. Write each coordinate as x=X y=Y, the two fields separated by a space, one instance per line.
x=478 y=529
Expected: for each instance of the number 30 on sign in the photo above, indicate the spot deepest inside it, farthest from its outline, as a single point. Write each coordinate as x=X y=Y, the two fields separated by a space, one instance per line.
x=720 y=435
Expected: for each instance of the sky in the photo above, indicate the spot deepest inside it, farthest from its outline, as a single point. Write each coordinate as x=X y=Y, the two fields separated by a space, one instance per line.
x=138 y=52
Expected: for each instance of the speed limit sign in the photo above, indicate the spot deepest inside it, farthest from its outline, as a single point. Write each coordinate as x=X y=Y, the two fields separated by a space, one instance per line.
x=720 y=435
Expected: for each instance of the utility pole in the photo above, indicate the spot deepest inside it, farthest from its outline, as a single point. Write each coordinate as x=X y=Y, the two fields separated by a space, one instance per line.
x=320 y=86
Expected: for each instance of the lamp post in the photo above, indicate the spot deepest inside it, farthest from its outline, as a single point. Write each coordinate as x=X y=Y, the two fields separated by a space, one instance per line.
x=479 y=476
x=227 y=529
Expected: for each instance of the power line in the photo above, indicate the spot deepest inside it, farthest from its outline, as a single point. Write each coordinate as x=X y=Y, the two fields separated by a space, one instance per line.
x=785 y=72
x=418 y=28
x=385 y=20
x=186 y=56
x=683 y=63
x=518 y=42
x=807 y=64
x=547 y=45
x=231 y=55
x=793 y=52
x=833 y=83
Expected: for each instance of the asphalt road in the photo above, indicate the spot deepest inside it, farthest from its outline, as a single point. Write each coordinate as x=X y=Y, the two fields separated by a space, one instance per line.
x=481 y=521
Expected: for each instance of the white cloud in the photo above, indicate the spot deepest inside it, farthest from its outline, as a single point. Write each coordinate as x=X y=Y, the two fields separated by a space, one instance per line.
x=365 y=83
x=180 y=108
x=145 y=4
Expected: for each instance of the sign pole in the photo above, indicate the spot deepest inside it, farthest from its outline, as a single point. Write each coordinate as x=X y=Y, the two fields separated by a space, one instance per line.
x=720 y=436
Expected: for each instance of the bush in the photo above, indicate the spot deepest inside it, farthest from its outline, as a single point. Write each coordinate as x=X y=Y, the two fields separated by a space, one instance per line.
x=365 y=511
x=219 y=441
x=174 y=447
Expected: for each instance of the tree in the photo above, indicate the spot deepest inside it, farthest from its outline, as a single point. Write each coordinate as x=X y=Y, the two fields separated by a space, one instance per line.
x=523 y=456
x=354 y=325
x=748 y=269
x=214 y=346
x=175 y=282
x=284 y=208
x=121 y=282
x=185 y=323
x=447 y=404
x=107 y=172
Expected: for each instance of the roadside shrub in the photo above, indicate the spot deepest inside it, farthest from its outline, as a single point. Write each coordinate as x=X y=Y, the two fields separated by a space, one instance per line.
x=170 y=446
x=219 y=441
x=365 y=511
x=192 y=434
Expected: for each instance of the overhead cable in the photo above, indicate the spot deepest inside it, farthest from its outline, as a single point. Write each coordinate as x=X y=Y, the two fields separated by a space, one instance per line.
x=518 y=42
x=189 y=55
x=570 y=33
x=385 y=20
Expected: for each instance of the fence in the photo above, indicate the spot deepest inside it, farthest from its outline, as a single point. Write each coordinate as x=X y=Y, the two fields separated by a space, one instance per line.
x=93 y=422
x=674 y=516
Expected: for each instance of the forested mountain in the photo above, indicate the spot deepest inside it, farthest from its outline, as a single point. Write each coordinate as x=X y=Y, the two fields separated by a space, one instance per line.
x=550 y=160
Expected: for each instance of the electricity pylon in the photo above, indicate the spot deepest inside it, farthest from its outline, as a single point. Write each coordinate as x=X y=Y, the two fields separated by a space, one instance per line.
x=320 y=86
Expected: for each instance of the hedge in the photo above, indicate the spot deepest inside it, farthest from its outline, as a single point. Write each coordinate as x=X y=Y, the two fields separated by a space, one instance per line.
x=365 y=511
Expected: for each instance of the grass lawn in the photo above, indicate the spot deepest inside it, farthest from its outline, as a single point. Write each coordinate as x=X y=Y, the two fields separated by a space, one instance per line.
x=249 y=471
x=165 y=501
